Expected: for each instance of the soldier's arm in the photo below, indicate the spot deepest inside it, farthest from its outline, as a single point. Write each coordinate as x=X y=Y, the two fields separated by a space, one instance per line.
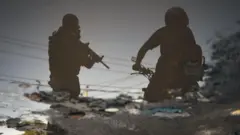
x=150 y=44
x=89 y=64
x=85 y=59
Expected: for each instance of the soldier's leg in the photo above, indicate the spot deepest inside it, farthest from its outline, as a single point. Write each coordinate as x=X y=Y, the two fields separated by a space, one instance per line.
x=74 y=86
x=57 y=83
x=68 y=84
x=156 y=90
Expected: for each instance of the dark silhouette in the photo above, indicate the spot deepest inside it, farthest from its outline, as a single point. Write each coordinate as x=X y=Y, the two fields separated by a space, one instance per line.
x=179 y=54
x=67 y=54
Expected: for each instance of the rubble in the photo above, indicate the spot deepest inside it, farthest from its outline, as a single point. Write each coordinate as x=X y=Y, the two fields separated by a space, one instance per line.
x=2 y=123
x=213 y=121
x=89 y=116
x=33 y=127
x=34 y=132
x=13 y=122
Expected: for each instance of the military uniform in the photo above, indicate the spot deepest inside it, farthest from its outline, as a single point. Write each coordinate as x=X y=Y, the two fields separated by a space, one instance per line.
x=66 y=55
x=176 y=40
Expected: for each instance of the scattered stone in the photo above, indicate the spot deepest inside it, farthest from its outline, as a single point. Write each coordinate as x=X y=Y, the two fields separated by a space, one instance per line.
x=85 y=99
x=34 y=127
x=35 y=132
x=2 y=123
x=65 y=110
x=31 y=125
x=88 y=117
x=4 y=117
x=24 y=85
x=34 y=97
x=236 y=112
x=39 y=112
x=76 y=115
x=111 y=110
x=144 y=125
x=49 y=97
x=98 y=104
x=13 y=122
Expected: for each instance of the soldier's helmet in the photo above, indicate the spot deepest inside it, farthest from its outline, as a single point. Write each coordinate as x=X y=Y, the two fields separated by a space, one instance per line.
x=70 y=20
x=176 y=16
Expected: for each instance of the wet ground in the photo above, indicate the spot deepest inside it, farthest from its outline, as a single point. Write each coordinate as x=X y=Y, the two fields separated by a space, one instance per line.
x=89 y=116
x=130 y=119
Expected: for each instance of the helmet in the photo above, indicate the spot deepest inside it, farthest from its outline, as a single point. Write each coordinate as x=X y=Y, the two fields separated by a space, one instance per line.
x=176 y=16
x=70 y=20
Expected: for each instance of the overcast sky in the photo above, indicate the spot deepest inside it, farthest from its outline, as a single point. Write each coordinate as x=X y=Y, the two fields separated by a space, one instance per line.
x=115 y=28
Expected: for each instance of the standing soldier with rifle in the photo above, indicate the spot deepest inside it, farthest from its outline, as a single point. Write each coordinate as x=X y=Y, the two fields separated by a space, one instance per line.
x=66 y=55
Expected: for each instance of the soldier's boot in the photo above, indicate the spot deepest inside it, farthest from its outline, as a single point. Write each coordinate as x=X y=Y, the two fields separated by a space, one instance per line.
x=157 y=96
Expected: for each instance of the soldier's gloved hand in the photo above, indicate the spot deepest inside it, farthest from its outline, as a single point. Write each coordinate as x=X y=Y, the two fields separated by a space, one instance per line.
x=136 y=66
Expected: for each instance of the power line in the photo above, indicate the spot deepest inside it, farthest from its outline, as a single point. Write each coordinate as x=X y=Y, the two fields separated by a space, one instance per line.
x=117 y=64
x=110 y=91
x=117 y=81
x=23 y=55
x=124 y=88
x=24 y=78
x=30 y=46
x=33 y=46
x=44 y=59
x=33 y=79
x=45 y=48
x=132 y=87
x=87 y=89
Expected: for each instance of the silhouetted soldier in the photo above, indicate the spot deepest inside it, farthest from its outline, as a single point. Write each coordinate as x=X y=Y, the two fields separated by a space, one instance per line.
x=66 y=55
x=176 y=40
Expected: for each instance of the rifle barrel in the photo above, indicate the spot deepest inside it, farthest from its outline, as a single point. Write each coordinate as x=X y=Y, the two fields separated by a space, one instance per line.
x=105 y=65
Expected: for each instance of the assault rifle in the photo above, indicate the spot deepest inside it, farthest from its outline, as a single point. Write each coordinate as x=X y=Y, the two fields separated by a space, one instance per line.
x=95 y=55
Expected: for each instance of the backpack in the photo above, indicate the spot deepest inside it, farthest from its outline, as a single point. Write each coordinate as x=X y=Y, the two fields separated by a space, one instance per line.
x=194 y=61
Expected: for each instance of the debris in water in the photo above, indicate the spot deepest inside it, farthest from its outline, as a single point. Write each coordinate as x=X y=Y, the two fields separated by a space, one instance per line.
x=236 y=112
x=112 y=110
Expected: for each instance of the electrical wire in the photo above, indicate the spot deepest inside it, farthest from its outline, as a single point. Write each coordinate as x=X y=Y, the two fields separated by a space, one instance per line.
x=35 y=45
x=88 y=89
x=39 y=80
x=45 y=59
x=112 y=82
